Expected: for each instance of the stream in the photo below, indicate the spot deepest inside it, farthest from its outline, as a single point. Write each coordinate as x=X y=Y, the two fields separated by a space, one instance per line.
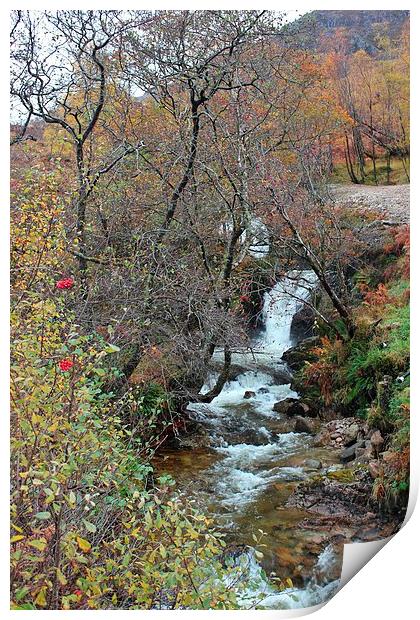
x=242 y=468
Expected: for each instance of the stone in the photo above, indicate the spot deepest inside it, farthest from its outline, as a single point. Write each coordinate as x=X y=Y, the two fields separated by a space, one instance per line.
x=350 y=435
x=304 y=425
x=361 y=452
x=263 y=390
x=289 y=407
x=376 y=441
x=298 y=355
x=349 y=453
x=388 y=456
x=249 y=394
x=286 y=425
x=309 y=407
x=302 y=323
x=313 y=463
x=375 y=469
x=368 y=454
x=323 y=438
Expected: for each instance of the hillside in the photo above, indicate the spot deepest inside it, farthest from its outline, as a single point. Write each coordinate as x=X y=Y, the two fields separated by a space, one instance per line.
x=365 y=30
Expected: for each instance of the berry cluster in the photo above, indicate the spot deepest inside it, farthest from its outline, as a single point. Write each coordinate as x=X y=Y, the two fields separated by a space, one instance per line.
x=65 y=364
x=65 y=283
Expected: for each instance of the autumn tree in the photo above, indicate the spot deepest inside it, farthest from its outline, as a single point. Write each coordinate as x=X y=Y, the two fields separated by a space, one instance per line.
x=62 y=68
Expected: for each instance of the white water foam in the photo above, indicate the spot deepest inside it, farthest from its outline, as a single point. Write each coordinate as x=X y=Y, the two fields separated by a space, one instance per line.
x=246 y=469
x=259 y=591
x=280 y=306
x=233 y=393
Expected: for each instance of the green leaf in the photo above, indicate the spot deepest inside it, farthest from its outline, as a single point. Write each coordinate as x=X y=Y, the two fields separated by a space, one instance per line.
x=112 y=348
x=39 y=543
x=43 y=515
x=21 y=593
x=89 y=526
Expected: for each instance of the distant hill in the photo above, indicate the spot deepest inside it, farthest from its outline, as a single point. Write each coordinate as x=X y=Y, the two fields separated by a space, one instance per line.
x=364 y=29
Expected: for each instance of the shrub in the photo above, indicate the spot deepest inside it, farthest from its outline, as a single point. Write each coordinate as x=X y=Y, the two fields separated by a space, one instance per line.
x=90 y=527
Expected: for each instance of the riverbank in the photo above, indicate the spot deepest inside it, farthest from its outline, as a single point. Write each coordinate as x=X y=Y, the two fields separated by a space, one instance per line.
x=306 y=443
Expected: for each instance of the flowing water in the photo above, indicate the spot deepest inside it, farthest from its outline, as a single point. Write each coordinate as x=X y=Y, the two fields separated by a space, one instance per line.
x=246 y=468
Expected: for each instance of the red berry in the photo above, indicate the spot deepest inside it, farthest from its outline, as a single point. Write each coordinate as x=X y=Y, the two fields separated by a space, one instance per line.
x=65 y=283
x=65 y=365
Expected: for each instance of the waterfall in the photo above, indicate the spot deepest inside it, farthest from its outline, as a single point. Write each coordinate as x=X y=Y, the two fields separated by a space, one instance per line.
x=251 y=465
x=280 y=306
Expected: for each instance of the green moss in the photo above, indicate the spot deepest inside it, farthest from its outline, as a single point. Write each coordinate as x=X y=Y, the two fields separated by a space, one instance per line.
x=341 y=475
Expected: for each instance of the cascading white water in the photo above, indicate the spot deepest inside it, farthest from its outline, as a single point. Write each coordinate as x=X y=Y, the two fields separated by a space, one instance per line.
x=268 y=597
x=254 y=458
x=280 y=306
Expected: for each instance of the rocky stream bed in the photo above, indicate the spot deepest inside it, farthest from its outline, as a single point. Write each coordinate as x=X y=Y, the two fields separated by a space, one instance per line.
x=260 y=458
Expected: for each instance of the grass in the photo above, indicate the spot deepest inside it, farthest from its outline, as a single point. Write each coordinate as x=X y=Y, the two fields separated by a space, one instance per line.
x=397 y=174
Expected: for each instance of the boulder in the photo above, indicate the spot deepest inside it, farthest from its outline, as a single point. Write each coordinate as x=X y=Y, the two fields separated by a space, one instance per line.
x=323 y=438
x=304 y=425
x=350 y=434
x=349 y=453
x=290 y=407
x=249 y=394
x=313 y=463
x=298 y=355
x=263 y=390
x=388 y=456
x=369 y=452
x=375 y=469
x=376 y=441
x=283 y=425
x=302 y=323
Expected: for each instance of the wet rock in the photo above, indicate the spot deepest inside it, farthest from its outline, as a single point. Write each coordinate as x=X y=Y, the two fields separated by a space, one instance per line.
x=304 y=425
x=249 y=394
x=290 y=407
x=281 y=374
x=313 y=463
x=351 y=434
x=323 y=438
x=263 y=390
x=298 y=355
x=327 y=497
x=349 y=454
x=302 y=323
x=308 y=408
x=286 y=425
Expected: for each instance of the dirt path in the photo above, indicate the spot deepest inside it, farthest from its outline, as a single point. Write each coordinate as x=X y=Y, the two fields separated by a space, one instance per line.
x=393 y=201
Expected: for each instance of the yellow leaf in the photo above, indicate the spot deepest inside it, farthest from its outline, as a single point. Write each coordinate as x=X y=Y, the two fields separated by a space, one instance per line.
x=61 y=578
x=39 y=543
x=40 y=599
x=16 y=538
x=84 y=545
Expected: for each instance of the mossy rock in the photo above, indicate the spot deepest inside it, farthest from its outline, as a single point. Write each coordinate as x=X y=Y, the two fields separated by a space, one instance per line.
x=341 y=475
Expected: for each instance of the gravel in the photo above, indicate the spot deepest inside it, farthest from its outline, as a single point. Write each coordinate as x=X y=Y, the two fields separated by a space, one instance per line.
x=391 y=202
